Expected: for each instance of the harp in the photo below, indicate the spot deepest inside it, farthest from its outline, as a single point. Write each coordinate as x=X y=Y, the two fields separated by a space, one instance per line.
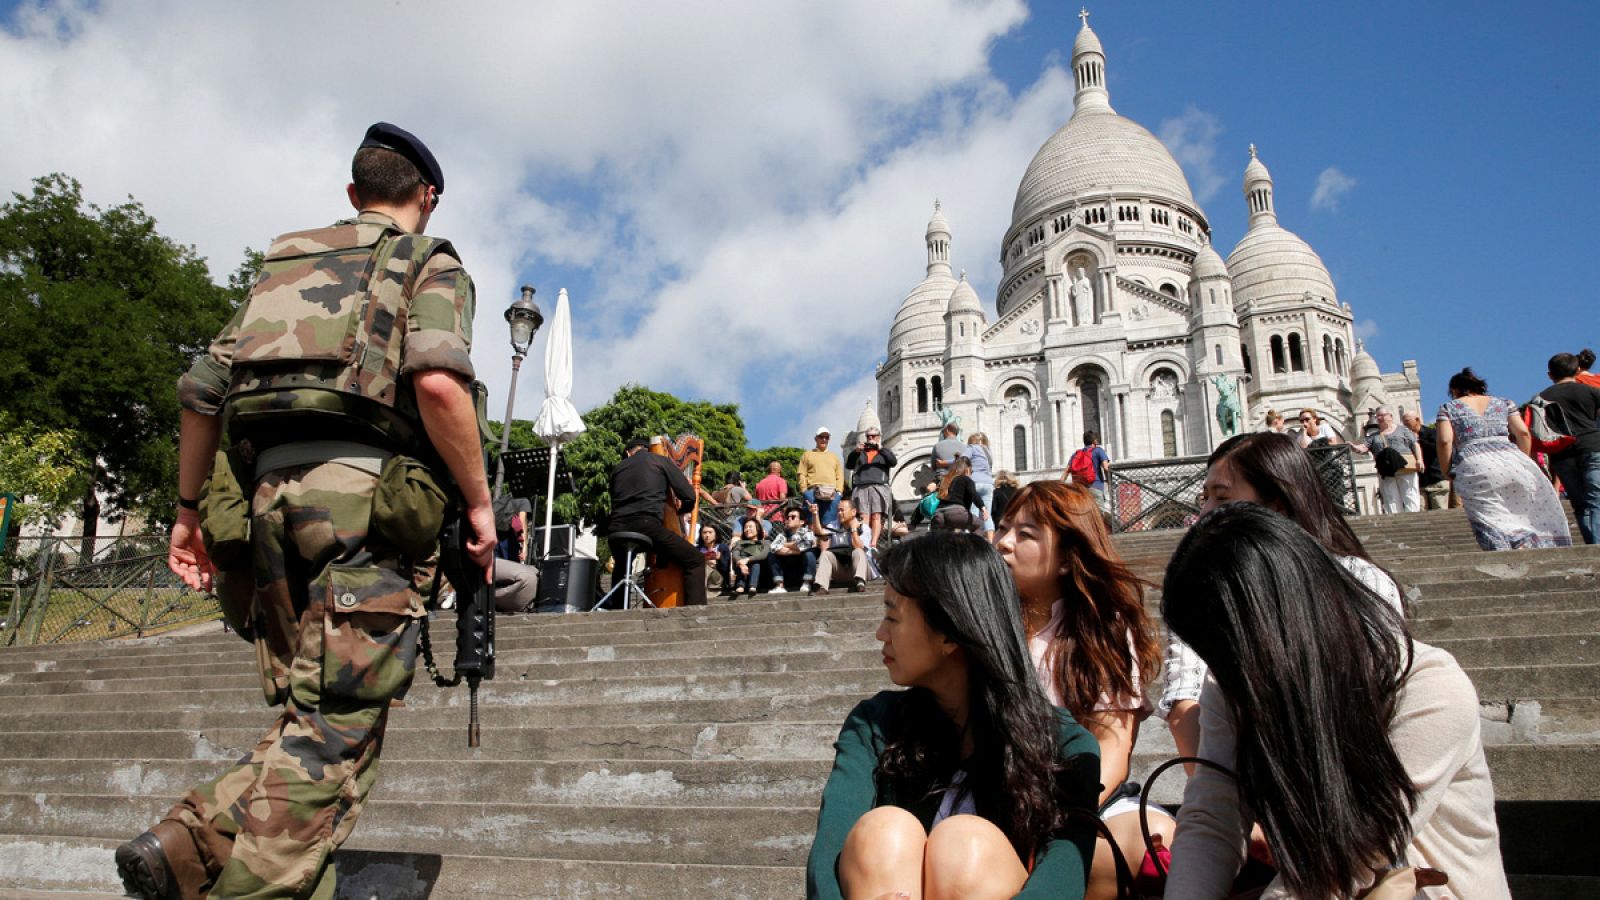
x=664 y=584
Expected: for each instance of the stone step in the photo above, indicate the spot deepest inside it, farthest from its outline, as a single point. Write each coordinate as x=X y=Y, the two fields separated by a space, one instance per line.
x=805 y=707
x=719 y=835
x=846 y=635
x=1506 y=624
x=1530 y=651
x=85 y=865
x=694 y=741
x=862 y=655
x=577 y=782
x=792 y=607
x=665 y=687
x=1483 y=586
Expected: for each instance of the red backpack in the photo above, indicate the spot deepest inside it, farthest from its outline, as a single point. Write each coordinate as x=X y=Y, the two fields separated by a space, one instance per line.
x=1081 y=467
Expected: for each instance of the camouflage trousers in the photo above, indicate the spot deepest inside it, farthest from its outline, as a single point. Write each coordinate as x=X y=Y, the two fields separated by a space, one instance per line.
x=336 y=626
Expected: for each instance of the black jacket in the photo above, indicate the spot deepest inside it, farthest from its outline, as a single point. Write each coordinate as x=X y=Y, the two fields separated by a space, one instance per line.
x=875 y=472
x=639 y=486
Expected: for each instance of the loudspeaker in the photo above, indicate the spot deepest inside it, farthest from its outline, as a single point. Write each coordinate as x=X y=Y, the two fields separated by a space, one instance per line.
x=562 y=537
x=566 y=585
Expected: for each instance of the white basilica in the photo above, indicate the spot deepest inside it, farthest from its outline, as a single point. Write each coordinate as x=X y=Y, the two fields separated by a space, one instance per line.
x=1116 y=315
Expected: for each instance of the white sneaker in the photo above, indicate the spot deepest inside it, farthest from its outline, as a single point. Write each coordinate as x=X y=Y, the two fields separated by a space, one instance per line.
x=778 y=589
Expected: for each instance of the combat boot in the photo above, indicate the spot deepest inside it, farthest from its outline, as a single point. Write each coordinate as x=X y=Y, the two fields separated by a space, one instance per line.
x=161 y=864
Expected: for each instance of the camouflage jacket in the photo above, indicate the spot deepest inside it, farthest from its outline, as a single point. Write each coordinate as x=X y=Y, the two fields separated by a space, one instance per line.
x=337 y=321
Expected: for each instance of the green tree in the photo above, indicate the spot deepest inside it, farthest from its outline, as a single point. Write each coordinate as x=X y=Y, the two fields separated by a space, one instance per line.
x=42 y=467
x=99 y=314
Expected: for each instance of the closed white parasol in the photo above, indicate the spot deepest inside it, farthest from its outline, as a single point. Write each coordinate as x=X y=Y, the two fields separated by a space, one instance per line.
x=558 y=420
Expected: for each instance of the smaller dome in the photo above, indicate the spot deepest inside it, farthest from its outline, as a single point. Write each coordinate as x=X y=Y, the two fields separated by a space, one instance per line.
x=1256 y=170
x=868 y=420
x=1364 y=368
x=964 y=299
x=1087 y=42
x=1207 y=264
x=919 y=323
x=937 y=224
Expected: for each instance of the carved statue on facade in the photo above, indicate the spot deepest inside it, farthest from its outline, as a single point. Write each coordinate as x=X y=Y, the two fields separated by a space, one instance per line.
x=1229 y=411
x=947 y=416
x=1082 y=300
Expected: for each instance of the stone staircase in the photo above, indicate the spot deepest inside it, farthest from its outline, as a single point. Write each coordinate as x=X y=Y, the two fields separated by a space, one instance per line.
x=681 y=753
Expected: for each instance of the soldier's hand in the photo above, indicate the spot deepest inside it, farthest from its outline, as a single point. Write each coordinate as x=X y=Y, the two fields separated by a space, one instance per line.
x=481 y=547
x=186 y=552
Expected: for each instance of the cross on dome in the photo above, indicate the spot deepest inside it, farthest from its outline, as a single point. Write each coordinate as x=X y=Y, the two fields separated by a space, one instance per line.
x=1252 y=156
x=1083 y=14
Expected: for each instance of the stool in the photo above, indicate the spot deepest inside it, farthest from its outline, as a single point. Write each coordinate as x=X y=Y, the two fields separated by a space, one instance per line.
x=626 y=546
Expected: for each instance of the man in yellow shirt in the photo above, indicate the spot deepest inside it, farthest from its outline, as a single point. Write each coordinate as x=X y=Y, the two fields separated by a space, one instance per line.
x=821 y=476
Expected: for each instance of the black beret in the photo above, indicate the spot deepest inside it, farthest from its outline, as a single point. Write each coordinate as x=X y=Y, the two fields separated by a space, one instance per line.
x=639 y=443
x=403 y=142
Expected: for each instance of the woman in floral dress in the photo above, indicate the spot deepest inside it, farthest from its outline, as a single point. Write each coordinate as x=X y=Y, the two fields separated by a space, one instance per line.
x=1509 y=502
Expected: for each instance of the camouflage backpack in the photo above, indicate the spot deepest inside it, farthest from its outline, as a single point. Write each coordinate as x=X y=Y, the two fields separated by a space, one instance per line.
x=325 y=311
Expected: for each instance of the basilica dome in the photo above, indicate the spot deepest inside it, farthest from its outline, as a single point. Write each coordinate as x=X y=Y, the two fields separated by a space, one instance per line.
x=919 y=323
x=1099 y=152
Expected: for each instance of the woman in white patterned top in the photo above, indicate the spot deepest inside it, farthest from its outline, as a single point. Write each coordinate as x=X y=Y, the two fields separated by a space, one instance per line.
x=1269 y=470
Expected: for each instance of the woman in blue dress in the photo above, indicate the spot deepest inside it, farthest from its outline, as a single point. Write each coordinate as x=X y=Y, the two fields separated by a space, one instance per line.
x=1509 y=502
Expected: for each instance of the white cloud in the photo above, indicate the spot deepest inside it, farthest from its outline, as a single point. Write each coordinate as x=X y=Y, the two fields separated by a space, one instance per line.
x=1366 y=329
x=1331 y=187
x=734 y=193
x=1192 y=139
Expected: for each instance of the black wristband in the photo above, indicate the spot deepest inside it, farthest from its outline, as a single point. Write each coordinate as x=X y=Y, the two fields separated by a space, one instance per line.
x=188 y=504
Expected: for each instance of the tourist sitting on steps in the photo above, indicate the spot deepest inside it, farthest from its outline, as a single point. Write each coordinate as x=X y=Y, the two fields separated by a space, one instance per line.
x=844 y=550
x=1354 y=746
x=793 y=549
x=958 y=496
x=748 y=553
x=961 y=785
x=1092 y=644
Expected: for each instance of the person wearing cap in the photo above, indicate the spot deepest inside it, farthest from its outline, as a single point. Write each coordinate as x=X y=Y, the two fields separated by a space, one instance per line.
x=752 y=510
x=821 y=476
x=347 y=368
x=642 y=484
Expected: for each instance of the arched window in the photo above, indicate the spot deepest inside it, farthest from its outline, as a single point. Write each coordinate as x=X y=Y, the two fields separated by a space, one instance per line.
x=1244 y=352
x=922 y=395
x=963 y=385
x=1278 y=364
x=1338 y=355
x=938 y=394
x=1089 y=401
x=1297 y=356
x=1327 y=353
x=1219 y=354
x=1169 y=433
x=1170 y=289
x=1019 y=447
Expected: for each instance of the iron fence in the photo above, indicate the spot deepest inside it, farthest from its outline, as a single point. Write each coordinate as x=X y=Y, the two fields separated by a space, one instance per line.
x=125 y=589
x=1165 y=493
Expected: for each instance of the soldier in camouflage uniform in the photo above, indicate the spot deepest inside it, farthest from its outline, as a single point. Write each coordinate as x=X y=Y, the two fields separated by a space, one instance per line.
x=350 y=357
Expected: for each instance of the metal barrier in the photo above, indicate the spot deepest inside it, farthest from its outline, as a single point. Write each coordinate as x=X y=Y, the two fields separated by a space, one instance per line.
x=1165 y=493
x=125 y=593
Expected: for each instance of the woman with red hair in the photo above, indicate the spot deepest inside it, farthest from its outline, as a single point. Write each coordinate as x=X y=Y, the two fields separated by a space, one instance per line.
x=1092 y=643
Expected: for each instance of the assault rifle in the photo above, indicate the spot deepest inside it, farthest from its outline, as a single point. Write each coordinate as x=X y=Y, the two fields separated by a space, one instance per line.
x=474 y=618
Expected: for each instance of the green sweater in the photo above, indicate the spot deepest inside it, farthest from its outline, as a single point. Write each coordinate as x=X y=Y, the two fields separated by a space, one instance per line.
x=1060 y=871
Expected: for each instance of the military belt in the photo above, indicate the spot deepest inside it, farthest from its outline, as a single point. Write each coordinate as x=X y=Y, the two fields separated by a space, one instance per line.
x=365 y=457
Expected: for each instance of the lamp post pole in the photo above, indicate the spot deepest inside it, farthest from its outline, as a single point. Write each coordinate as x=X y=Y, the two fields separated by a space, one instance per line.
x=524 y=318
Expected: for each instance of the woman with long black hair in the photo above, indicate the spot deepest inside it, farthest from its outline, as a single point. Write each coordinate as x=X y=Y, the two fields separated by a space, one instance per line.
x=1356 y=747
x=961 y=785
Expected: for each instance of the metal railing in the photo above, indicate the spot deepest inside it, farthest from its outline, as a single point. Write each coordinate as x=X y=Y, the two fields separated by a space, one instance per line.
x=125 y=590
x=1165 y=493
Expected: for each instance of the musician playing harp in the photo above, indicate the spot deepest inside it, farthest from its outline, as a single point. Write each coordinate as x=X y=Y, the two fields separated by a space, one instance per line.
x=641 y=484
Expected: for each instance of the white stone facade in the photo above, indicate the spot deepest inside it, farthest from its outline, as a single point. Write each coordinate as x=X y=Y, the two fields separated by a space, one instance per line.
x=1115 y=314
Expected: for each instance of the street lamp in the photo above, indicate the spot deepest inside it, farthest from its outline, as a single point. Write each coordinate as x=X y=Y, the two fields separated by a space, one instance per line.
x=524 y=317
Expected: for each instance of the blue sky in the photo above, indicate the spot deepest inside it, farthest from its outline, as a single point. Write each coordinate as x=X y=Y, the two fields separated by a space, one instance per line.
x=734 y=194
